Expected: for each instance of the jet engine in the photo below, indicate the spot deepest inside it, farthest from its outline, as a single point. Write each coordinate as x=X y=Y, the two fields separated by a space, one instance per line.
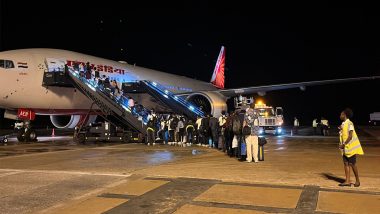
x=210 y=102
x=70 y=121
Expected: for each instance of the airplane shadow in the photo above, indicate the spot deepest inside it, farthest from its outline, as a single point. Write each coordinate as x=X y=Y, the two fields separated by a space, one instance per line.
x=330 y=176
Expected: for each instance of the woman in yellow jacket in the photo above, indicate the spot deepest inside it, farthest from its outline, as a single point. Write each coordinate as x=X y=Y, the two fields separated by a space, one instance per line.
x=350 y=147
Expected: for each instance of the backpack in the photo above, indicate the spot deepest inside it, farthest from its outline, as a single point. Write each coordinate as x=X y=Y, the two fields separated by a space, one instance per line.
x=174 y=123
x=236 y=125
x=205 y=125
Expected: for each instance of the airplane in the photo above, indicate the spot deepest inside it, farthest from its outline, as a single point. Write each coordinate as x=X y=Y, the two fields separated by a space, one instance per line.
x=23 y=95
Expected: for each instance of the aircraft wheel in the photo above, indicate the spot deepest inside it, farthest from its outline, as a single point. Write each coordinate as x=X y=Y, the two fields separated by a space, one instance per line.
x=126 y=137
x=81 y=138
x=30 y=135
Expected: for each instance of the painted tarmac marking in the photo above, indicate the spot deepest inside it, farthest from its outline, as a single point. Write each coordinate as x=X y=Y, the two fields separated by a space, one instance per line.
x=9 y=173
x=65 y=172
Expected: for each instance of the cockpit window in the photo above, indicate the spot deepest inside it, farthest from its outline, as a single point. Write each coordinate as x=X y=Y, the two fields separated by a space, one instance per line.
x=6 y=64
x=9 y=64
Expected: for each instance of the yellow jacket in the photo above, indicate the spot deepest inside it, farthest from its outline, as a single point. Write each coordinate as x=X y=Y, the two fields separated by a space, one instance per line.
x=353 y=147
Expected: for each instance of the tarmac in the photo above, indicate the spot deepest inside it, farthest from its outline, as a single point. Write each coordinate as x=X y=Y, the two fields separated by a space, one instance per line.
x=300 y=174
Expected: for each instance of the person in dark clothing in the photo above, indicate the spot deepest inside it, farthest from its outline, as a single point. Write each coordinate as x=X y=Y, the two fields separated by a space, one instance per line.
x=76 y=66
x=228 y=133
x=241 y=154
x=205 y=128
x=150 y=133
x=88 y=71
x=213 y=124
x=189 y=132
x=97 y=75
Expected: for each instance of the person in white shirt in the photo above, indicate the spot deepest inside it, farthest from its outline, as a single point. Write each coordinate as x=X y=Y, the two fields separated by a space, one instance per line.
x=222 y=127
x=198 y=131
x=315 y=125
x=296 y=125
x=325 y=126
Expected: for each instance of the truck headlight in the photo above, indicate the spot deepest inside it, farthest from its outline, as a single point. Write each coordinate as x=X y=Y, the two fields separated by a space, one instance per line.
x=261 y=131
x=279 y=130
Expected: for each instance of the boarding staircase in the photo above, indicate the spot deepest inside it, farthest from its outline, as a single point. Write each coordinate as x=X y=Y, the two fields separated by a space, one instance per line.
x=177 y=103
x=116 y=111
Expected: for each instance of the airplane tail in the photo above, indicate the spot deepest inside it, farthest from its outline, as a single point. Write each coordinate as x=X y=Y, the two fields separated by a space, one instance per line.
x=217 y=78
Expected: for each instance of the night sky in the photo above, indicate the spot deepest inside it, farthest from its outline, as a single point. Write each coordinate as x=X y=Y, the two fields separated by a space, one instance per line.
x=263 y=45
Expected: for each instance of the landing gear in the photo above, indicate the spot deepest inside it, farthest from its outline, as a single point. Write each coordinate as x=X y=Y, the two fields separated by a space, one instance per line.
x=81 y=138
x=25 y=133
x=126 y=137
x=20 y=135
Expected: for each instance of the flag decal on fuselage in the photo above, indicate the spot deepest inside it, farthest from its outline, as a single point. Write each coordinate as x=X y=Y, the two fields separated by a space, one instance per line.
x=22 y=64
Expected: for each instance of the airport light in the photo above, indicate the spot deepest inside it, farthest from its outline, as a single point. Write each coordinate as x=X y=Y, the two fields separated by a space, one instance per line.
x=259 y=102
x=279 y=130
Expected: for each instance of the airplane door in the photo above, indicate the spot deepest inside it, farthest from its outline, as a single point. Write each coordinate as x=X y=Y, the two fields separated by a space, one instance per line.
x=55 y=65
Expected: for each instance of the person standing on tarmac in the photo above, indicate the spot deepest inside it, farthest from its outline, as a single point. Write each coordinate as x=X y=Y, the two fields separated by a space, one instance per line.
x=214 y=124
x=198 y=124
x=325 y=126
x=251 y=120
x=189 y=132
x=350 y=147
x=296 y=125
x=150 y=132
x=222 y=125
x=315 y=125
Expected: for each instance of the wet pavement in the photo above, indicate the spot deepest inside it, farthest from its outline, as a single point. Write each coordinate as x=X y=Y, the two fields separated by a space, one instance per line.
x=299 y=174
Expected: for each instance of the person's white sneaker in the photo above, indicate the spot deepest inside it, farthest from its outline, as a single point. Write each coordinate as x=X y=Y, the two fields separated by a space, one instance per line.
x=148 y=144
x=154 y=144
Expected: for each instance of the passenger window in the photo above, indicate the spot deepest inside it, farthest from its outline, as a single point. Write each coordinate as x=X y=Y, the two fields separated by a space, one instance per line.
x=2 y=64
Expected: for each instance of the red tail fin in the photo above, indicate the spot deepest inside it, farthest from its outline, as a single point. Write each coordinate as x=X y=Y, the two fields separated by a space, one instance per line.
x=217 y=78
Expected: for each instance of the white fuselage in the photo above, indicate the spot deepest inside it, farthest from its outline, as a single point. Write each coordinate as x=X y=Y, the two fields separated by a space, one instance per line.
x=21 y=86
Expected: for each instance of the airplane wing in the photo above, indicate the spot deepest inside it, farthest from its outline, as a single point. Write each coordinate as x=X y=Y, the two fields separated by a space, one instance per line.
x=261 y=90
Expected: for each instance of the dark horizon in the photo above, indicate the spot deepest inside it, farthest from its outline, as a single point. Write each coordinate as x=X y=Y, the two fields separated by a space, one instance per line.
x=263 y=46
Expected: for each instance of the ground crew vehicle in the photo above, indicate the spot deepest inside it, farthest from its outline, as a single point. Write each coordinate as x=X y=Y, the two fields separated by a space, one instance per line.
x=374 y=118
x=270 y=119
x=106 y=132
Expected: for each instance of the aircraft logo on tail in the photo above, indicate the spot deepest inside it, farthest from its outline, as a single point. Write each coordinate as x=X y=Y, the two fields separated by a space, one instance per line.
x=218 y=75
